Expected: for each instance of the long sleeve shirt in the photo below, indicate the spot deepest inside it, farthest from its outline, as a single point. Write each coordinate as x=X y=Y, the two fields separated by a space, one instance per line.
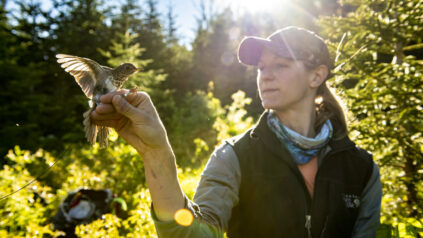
x=217 y=194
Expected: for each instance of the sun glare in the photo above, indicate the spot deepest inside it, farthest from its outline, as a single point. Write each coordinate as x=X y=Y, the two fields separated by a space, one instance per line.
x=183 y=217
x=256 y=5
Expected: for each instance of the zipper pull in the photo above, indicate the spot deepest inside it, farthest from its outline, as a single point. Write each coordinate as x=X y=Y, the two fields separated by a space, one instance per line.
x=308 y=225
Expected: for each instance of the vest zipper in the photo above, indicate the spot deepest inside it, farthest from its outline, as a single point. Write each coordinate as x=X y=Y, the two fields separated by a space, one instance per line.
x=309 y=199
x=324 y=227
x=310 y=202
x=310 y=207
x=308 y=225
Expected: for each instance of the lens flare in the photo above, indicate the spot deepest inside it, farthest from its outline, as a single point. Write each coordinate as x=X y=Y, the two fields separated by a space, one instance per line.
x=255 y=6
x=184 y=217
x=227 y=58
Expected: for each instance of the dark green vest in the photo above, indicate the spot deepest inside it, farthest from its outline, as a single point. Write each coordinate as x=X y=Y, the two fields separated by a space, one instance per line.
x=274 y=200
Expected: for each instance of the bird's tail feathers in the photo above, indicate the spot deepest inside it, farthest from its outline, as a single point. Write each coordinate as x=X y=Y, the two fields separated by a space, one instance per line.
x=89 y=127
x=103 y=134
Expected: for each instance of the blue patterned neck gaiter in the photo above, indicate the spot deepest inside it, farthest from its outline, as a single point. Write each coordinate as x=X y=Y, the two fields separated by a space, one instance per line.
x=302 y=148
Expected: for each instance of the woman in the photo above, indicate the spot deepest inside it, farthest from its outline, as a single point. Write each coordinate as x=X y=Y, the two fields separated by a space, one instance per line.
x=294 y=174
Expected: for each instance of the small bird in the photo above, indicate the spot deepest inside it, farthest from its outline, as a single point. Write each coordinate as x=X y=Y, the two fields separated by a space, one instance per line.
x=95 y=80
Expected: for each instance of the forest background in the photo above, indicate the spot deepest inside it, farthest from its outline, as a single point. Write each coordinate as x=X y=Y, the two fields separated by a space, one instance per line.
x=202 y=94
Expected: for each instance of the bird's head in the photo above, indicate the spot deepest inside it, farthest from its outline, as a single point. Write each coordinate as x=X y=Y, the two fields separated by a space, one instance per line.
x=127 y=69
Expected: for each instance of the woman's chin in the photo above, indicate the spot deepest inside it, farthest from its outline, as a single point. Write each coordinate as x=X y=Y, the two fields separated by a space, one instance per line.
x=269 y=105
x=273 y=106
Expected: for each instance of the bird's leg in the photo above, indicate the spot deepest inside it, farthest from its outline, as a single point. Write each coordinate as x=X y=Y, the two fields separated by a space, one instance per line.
x=132 y=90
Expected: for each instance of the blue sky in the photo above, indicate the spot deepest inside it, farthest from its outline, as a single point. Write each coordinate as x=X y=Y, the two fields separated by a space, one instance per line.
x=187 y=11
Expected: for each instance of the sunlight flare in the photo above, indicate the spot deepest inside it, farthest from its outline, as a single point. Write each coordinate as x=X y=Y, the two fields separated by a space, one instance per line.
x=256 y=6
x=184 y=217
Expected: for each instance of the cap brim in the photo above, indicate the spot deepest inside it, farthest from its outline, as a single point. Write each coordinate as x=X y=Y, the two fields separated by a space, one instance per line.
x=251 y=48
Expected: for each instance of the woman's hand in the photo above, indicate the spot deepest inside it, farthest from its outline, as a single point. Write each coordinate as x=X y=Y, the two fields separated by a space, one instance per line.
x=134 y=118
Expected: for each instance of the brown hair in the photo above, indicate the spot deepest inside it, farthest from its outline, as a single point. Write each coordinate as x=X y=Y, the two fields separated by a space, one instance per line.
x=329 y=106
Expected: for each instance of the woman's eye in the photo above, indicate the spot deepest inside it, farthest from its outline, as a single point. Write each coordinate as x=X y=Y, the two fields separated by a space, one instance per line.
x=281 y=65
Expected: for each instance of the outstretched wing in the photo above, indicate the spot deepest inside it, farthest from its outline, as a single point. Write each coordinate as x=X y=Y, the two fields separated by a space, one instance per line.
x=85 y=71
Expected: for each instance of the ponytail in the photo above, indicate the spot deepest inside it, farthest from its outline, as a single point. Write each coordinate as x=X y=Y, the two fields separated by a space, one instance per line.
x=328 y=106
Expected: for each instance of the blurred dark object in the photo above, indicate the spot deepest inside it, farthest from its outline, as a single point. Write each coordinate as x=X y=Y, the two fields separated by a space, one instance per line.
x=83 y=206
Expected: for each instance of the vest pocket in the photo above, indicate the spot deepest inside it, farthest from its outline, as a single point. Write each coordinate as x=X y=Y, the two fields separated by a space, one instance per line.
x=344 y=208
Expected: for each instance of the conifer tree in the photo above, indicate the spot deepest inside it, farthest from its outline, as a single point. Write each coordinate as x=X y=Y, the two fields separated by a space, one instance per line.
x=379 y=71
x=24 y=73
x=129 y=18
x=171 y=37
x=124 y=49
x=78 y=28
x=81 y=28
x=152 y=38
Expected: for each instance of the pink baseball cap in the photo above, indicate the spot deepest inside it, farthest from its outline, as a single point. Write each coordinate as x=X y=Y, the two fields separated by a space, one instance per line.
x=290 y=42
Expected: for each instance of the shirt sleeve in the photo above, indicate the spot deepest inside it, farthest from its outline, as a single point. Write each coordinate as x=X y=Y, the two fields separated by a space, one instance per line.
x=369 y=214
x=216 y=195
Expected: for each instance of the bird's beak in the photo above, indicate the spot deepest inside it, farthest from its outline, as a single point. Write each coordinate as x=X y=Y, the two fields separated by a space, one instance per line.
x=138 y=70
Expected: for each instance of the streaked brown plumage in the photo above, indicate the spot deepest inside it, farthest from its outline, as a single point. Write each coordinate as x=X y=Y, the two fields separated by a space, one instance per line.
x=95 y=80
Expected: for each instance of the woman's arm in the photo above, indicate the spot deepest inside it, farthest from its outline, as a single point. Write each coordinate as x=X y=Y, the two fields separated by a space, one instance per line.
x=216 y=195
x=369 y=215
x=136 y=120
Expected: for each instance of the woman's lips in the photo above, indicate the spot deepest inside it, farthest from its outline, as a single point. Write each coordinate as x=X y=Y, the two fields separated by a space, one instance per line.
x=269 y=90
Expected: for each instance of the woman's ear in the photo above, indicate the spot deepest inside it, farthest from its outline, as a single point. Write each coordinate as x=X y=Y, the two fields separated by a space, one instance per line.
x=319 y=75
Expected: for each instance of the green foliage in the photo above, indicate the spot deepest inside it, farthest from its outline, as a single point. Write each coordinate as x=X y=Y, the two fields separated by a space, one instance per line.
x=23 y=73
x=138 y=223
x=191 y=124
x=81 y=28
x=28 y=212
x=196 y=93
x=215 y=47
x=409 y=228
x=381 y=80
x=234 y=120
x=118 y=167
x=201 y=122
x=25 y=213
x=124 y=49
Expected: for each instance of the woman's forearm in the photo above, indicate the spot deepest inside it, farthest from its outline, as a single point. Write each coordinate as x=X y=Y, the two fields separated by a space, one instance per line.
x=162 y=181
x=136 y=120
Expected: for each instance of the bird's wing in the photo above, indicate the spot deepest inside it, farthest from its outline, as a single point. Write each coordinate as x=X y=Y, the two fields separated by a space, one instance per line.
x=106 y=68
x=85 y=71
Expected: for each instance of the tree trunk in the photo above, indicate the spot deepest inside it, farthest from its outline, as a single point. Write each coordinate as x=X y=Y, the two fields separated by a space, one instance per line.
x=410 y=182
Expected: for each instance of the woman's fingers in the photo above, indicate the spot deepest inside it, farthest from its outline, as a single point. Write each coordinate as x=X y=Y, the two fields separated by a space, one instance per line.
x=115 y=105
x=105 y=109
x=108 y=123
x=102 y=117
x=125 y=108
x=127 y=94
x=107 y=98
x=132 y=98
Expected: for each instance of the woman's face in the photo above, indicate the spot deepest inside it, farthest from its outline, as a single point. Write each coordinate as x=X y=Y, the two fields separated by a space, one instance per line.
x=282 y=83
